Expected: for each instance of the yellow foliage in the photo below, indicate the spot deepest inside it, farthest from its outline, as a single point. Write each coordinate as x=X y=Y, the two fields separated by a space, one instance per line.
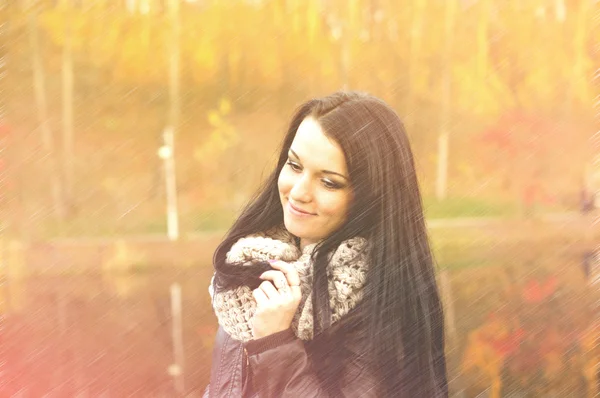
x=59 y=22
x=110 y=184
x=269 y=65
x=554 y=365
x=313 y=15
x=473 y=93
x=232 y=27
x=295 y=20
x=590 y=340
x=481 y=356
x=224 y=106
x=110 y=31
x=222 y=137
x=353 y=15
x=53 y=23
x=590 y=372
x=203 y=58
x=214 y=118
x=123 y=259
x=235 y=58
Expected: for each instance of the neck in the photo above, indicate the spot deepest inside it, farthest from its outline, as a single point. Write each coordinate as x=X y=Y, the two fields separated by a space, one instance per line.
x=306 y=242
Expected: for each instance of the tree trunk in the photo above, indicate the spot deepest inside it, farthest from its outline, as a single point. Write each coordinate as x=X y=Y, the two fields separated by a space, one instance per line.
x=174 y=65
x=67 y=109
x=441 y=186
x=44 y=126
x=173 y=117
x=579 y=78
x=560 y=10
x=416 y=33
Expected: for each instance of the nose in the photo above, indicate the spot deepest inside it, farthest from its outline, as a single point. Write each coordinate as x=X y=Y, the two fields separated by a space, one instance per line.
x=301 y=191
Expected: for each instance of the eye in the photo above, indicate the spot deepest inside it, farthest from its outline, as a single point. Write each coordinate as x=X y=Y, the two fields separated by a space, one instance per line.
x=331 y=185
x=294 y=166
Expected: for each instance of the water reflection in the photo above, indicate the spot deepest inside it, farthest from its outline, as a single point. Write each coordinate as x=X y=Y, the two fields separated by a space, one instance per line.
x=96 y=334
x=523 y=324
x=528 y=330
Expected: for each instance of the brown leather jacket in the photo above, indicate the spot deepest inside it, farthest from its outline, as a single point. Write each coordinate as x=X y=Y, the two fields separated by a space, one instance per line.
x=281 y=365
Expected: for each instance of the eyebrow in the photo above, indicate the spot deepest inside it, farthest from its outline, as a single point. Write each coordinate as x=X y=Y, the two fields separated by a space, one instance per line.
x=322 y=171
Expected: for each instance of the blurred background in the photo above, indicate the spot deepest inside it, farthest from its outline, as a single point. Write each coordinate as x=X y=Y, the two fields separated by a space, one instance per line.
x=132 y=132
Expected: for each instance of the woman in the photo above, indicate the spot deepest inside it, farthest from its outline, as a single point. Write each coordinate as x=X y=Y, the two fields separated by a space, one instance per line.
x=325 y=285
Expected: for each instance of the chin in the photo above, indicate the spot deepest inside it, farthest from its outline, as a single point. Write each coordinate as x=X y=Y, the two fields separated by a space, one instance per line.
x=295 y=229
x=292 y=228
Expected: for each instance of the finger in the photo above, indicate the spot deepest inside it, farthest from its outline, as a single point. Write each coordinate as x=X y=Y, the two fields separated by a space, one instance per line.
x=296 y=292
x=277 y=277
x=261 y=298
x=288 y=269
x=269 y=290
x=281 y=283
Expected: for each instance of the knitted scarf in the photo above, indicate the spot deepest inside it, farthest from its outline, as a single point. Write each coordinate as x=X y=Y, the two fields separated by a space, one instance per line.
x=346 y=274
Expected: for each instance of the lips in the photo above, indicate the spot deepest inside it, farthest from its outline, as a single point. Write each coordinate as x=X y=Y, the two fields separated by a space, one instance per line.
x=299 y=211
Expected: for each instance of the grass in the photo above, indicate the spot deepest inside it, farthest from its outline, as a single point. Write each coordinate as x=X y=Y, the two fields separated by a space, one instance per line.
x=87 y=225
x=219 y=218
x=213 y=220
x=480 y=207
x=468 y=207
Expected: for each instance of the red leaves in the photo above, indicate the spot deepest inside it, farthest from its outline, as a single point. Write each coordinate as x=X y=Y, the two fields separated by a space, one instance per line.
x=519 y=133
x=536 y=292
x=508 y=344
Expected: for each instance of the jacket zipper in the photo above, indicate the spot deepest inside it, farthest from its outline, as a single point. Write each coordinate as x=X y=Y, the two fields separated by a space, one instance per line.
x=245 y=365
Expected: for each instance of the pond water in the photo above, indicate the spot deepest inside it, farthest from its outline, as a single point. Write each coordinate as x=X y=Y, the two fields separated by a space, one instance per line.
x=105 y=335
x=521 y=324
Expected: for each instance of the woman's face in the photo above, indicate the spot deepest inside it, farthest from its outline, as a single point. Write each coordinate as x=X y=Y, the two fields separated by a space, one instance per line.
x=314 y=186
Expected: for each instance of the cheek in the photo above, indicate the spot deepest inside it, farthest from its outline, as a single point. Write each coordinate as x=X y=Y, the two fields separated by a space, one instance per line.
x=335 y=205
x=284 y=183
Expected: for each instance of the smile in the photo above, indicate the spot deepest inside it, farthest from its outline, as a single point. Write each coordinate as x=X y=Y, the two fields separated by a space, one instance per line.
x=297 y=212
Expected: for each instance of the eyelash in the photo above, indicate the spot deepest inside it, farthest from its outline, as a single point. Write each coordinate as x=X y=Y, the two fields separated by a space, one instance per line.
x=328 y=184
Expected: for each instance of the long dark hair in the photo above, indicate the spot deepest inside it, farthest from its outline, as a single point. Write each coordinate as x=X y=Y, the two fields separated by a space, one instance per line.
x=401 y=305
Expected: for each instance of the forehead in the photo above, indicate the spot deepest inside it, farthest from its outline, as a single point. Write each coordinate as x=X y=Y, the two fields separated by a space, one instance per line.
x=316 y=149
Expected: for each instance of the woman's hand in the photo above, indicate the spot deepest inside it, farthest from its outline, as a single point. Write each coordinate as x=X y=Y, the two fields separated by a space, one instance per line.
x=277 y=299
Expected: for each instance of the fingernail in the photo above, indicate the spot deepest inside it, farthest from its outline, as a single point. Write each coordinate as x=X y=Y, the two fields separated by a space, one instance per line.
x=271 y=261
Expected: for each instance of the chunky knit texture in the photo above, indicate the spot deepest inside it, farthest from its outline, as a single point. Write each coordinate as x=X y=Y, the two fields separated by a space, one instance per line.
x=346 y=272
